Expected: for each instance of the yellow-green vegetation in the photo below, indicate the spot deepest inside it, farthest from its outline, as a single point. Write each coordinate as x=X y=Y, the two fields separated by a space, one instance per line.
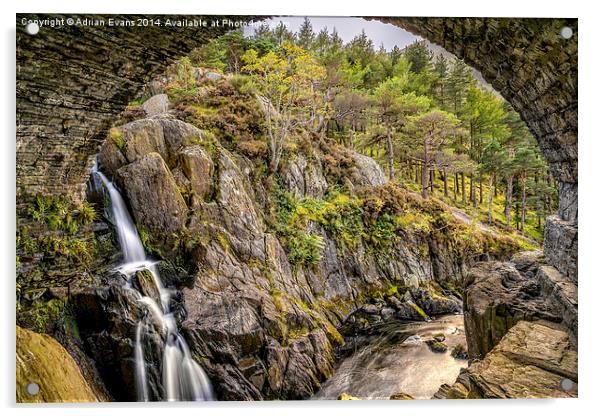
x=401 y=396
x=61 y=222
x=43 y=361
x=418 y=310
x=49 y=316
x=382 y=217
x=207 y=142
x=422 y=115
x=346 y=396
x=534 y=221
x=46 y=313
x=117 y=138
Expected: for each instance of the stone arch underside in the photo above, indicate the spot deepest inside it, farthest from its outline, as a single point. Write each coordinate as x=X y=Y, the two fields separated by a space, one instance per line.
x=73 y=81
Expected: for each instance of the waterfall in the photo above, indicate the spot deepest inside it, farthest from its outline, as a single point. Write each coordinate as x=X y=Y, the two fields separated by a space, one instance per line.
x=182 y=377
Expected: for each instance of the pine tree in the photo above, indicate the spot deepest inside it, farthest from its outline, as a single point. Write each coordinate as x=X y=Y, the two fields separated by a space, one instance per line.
x=419 y=56
x=431 y=131
x=458 y=82
x=306 y=35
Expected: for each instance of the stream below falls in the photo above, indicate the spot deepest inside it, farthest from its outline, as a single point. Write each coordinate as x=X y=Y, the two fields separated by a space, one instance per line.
x=395 y=358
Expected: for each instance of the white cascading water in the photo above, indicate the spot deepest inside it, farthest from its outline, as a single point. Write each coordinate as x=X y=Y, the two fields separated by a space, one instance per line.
x=182 y=378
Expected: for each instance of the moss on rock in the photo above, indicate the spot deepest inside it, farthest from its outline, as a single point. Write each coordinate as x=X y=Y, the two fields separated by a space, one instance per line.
x=41 y=360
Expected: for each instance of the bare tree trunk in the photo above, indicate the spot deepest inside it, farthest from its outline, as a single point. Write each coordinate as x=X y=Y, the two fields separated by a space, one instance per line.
x=417 y=178
x=425 y=172
x=523 y=202
x=481 y=191
x=463 y=188
x=432 y=180
x=470 y=188
x=473 y=191
x=508 y=202
x=490 y=216
x=456 y=187
x=445 y=183
x=390 y=156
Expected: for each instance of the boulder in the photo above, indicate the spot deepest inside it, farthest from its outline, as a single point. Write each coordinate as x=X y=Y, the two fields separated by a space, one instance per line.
x=140 y=138
x=459 y=352
x=401 y=396
x=436 y=346
x=304 y=178
x=156 y=105
x=213 y=76
x=154 y=197
x=347 y=396
x=561 y=246
x=370 y=171
x=135 y=140
x=434 y=304
x=46 y=372
x=498 y=297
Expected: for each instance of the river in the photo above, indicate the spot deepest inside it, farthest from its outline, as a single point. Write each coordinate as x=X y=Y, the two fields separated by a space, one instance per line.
x=395 y=358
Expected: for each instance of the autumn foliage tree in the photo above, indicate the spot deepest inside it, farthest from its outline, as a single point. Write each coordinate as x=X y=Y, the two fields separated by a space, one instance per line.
x=287 y=82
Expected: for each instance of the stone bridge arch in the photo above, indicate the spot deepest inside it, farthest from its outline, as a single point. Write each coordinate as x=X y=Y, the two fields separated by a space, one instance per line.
x=72 y=81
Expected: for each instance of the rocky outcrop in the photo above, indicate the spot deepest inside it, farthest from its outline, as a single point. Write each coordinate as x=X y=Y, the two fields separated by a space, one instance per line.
x=46 y=372
x=303 y=178
x=259 y=328
x=543 y=91
x=370 y=172
x=533 y=360
x=153 y=194
x=67 y=102
x=521 y=328
x=402 y=304
x=560 y=246
x=499 y=295
x=106 y=317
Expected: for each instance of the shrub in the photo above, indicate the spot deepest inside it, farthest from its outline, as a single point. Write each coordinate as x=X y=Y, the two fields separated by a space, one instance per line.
x=304 y=249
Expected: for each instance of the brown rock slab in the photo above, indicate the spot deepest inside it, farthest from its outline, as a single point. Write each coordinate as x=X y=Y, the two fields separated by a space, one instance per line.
x=43 y=362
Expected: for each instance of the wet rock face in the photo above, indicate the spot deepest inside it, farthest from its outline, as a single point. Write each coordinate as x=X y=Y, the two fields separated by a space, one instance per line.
x=499 y=295
x=533 y=360
x=107 y=324
x=405 y=304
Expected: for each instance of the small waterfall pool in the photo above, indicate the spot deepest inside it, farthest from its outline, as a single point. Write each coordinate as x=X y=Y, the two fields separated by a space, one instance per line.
x=395 y=358
x=182 y=378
